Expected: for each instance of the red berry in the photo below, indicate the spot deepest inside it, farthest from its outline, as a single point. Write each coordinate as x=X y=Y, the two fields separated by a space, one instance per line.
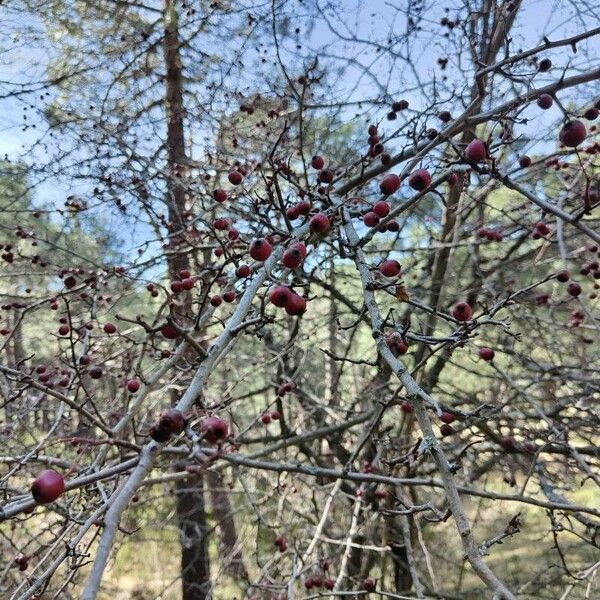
x=317 y=162
x=446 y=429
x=220 y=195
x=524 y=161
x=508 y=441
x=214 y=430
x=292 y=258
x=381 y=208
x=325 y=176
x=462 y=312
x=95 y=372
x=243 y=271
x=320 y=224
x=542 y=228
x=563 y=276
x=545 y=101
x=176 y=286
x=476 y=151
x=133 y=385
x=295 y=305
x=419 y=179
x=389 y=268
x=300 y=247
x=591 y=114
x=303 y=207
x=266 y=418
x=371 y=219
x=169 y=331
x=172 y=420
x=187 y=283
x=572 y=133
x=396 y=343
x=235 y=177
x=545 y=65
x=221 y=224
x=279 y=295
x=109 y=328
x=260 y=249
x=159 y=434
x=229 y=296
x=64 y=330
x=70 y=282
x=486 y=353
x=216 y=300
x=47 y=487
x=574 y=289
x=292 y=213
x=390 y=184
x=447 y=417
x=368 y=584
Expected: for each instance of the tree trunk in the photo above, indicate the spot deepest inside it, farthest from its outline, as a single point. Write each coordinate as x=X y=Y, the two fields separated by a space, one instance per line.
x=195 y=568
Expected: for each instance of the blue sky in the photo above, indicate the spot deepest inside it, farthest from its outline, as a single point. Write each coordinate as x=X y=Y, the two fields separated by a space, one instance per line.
x=371 y=19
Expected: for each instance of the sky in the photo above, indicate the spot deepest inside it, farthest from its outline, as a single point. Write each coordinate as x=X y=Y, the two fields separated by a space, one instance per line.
x=369 y=18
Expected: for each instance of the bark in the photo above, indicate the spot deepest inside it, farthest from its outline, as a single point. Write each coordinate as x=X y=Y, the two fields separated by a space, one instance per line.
x=195 y=567
x=191 y=514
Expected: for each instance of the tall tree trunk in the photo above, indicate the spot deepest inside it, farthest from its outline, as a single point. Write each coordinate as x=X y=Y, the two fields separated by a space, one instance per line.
x=195 y=568
x=191 y=512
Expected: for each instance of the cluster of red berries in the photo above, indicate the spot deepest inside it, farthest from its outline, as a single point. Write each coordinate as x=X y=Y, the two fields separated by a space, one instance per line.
x=540 y=230
x=184 y=282
x=376 y=148
x=318 y=581
x=300 y=209
x=285 y=387
x=284 y=297
x=396 y=343
x=294 y=256
x=447 y=418
x=397 y=106
x=492 y=235
x=266 y=418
